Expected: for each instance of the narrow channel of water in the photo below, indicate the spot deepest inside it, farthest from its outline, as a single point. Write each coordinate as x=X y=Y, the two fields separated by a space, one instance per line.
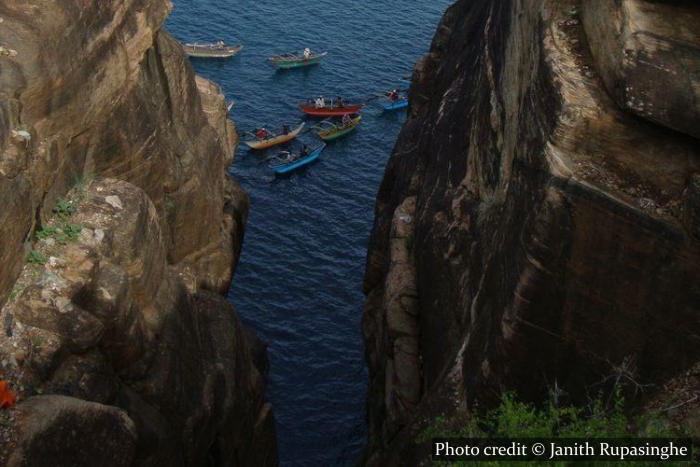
x=300 y=275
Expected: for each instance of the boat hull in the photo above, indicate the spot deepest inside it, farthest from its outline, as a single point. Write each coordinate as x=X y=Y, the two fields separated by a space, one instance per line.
x=268 y=143
x=402 y=104
x=330 y=135
x=286 y=168
x=330 y=111
x=289 y=63
x=200 y=52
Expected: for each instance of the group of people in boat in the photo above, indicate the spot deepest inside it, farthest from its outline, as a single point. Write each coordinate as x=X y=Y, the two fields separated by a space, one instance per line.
x=320 y=102
x=305 y=151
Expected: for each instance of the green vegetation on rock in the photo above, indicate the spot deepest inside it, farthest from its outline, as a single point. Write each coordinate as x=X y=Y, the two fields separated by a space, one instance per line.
x=517 y=419
x=35 y=257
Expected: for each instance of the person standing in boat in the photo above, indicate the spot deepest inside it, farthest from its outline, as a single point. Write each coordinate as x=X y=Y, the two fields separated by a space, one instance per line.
x=261 y=133
x=307 y=53
x=340 y=101
x=320 y=102
x=285 y=129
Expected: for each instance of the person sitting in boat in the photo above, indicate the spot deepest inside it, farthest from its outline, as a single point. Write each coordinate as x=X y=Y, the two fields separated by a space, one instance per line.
x=346 y=119
x=307 y=53
x=394 y=95
x=320 y=102
x=261 y=133
x=285 y=129
x=219 y=44
x=340 y=101
x=304 y=150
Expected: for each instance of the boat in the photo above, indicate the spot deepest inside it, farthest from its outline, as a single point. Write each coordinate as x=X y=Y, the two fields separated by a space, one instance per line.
x=333 y=131
x=295 y=60
x=330 y=110
x=286 y=161
x=211 y=50
x=398 y=104
x=275 y=140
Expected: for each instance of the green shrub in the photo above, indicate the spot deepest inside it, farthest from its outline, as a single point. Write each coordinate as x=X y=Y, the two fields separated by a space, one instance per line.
x=35 y=257
x=64 y=208
x=63 y=233
x=67 y=233
x=516 y=419
x=81 y=182
x=46 y=232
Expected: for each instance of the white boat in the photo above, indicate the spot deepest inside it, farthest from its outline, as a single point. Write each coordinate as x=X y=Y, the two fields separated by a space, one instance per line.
x=211 y=50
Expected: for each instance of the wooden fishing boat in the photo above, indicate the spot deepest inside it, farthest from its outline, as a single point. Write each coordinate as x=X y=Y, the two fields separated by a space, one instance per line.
x=295 y=60
x=275 y=140
x=333 y=131
x=397 y=104
x=286 y=161
x=330 y=110
x=211 y=50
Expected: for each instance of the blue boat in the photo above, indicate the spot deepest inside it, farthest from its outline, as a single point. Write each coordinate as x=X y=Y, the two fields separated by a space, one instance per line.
x=399 y=104
x=285 y=162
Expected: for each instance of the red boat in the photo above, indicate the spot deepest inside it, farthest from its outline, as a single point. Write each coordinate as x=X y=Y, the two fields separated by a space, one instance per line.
x=330 y=111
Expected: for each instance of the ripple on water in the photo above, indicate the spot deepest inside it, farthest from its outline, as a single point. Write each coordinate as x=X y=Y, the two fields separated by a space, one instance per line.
x=299 y=280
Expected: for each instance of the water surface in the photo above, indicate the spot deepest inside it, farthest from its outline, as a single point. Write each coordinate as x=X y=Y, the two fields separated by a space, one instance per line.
x=299 y=279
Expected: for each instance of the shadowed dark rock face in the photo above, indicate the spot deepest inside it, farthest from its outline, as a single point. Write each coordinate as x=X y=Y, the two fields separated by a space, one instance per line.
x=111 y=320
x=533 y=226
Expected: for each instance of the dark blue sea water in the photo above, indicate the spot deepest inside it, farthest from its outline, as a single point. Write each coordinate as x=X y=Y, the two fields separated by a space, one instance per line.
x=300 y=274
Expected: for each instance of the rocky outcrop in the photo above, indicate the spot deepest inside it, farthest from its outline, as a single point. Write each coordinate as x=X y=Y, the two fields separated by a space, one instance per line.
x=119 y=226
x=98 y=89
x=54 y=427
x=537 y=222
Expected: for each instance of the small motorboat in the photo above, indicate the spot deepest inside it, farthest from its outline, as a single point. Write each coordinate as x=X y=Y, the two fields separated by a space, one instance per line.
x=296 y=60
x=330 y=110
x=274 y=140
x=286 y=161
x=211 y=50
x=396 y=104
x=330 y=131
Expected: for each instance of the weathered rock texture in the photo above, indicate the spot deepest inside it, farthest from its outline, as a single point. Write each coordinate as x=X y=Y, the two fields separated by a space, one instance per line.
x=538 y=219
x=98 y=89
x=116 y=154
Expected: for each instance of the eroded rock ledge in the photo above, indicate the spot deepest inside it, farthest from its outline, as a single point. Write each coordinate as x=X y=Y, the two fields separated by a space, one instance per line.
x=537 y=222
x=119 y=229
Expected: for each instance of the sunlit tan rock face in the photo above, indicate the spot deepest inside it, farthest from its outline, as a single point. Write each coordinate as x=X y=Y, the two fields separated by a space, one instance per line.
x=119 y=228
x=98 y=89
x=538 y=219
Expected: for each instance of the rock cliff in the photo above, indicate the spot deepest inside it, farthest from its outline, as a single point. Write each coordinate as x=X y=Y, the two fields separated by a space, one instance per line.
x=538 y=220
x=119 y=230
